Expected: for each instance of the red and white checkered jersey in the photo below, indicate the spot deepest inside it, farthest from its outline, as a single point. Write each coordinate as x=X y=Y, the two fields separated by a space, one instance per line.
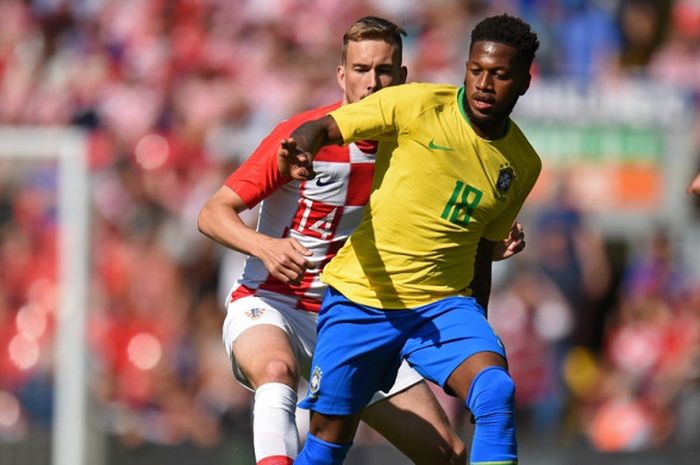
x=319 y=213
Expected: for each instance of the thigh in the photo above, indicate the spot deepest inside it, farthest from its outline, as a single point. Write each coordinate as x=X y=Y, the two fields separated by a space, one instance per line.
x=263 y=354
x=415 y=423
x=454 y=329
x=267 y=342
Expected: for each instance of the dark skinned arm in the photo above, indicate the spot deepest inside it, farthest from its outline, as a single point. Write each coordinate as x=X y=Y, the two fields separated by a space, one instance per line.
x=481 y=283
x=296 y=153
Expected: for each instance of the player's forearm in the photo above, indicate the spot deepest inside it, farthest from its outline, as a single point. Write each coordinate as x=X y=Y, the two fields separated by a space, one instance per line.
x=313 y=135
x=481 y=283
x=223 y=225
x=481 y=289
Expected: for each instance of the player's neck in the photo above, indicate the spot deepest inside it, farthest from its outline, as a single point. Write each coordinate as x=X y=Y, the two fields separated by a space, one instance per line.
x=492 y=131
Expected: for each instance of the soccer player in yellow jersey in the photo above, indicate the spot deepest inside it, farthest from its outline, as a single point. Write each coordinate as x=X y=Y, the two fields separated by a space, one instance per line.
x=413 y=280
x=270 y=328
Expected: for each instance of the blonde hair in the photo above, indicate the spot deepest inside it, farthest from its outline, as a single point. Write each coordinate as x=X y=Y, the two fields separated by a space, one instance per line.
x=374 y=28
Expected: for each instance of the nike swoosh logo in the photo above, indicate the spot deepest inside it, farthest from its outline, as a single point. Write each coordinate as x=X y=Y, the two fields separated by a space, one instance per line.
x=433 y=146
x=321 y=183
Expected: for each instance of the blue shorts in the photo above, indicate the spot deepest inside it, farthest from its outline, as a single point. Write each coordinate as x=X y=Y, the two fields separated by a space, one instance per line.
x=360 y=348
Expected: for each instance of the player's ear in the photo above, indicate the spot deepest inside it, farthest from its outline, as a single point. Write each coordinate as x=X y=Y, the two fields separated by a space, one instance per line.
x=525 y=84
x=403 y=74
x=340 y=76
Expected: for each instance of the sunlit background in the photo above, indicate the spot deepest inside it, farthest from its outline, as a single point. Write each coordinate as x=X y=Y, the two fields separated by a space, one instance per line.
x=600 y=314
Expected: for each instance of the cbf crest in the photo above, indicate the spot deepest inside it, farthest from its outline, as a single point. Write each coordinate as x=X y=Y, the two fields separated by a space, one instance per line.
x=505 y=178
x=315 y=382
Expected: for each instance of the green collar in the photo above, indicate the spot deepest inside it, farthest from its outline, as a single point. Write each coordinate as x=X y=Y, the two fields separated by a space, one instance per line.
x=460 y=103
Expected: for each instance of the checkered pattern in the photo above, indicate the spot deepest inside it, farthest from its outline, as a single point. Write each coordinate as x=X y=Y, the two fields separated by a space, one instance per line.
x=319 y=213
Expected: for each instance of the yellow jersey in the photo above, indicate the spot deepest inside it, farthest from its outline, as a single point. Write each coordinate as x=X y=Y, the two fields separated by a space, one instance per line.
x=435 y=195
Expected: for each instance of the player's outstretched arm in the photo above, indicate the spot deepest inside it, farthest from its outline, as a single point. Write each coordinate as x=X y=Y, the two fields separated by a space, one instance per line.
x=511 y=245
x=219 y=220
x=296 y=153
x=488 y=252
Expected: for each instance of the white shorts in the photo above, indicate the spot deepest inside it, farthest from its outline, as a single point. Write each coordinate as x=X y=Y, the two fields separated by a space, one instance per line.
x=300 y=327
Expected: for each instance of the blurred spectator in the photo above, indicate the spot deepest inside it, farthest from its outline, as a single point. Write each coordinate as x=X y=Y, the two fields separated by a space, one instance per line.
x=643 y=25
x=587 y=40
x=656 y=274
x=677 y=60
x=441 y=42
x=572 y=255
x=652 y=349
x=534 y=321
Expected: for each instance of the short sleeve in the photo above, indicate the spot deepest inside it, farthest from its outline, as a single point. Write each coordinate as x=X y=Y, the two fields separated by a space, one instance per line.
x=371 y=118
x=258 y=176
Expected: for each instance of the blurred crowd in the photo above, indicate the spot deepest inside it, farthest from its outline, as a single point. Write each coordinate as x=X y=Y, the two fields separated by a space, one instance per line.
x=175 y=93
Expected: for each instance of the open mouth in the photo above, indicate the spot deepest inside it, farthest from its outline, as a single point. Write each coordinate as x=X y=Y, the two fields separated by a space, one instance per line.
x=482 y=105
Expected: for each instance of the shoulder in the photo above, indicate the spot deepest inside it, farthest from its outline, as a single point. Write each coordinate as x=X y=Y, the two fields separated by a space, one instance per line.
x=520 y=138
x=308 y=115
x=420 y=92
x=411 y=100
x=316 y=113
x=529 y=155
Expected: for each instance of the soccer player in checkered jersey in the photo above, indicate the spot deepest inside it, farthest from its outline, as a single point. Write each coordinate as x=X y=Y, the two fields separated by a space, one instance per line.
x=413 y=280
x=270 y=327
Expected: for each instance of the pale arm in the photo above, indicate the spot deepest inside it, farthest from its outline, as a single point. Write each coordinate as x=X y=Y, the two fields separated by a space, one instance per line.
x=219 y=220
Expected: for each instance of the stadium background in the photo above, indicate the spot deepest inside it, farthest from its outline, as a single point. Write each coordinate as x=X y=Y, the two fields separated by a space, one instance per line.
x=600 y=314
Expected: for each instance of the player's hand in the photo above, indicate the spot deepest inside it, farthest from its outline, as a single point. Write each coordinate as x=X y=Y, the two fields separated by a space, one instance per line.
x=511 y=245
x=285 y=259
x=294 y=162
x=694 y=187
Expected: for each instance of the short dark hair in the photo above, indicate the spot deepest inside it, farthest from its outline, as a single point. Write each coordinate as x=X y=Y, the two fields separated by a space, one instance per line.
x=373 y=28
x=509 y=30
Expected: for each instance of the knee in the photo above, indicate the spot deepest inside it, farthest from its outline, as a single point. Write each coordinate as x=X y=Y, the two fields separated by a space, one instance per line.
x=452 y=452
x=491 y=400
x=457 y=455
x=278 y=371
x=492 y=392
x=338 y=429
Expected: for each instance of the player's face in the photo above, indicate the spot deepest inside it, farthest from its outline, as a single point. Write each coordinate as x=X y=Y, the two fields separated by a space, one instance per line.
x=495 y=78
x=370 y=65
